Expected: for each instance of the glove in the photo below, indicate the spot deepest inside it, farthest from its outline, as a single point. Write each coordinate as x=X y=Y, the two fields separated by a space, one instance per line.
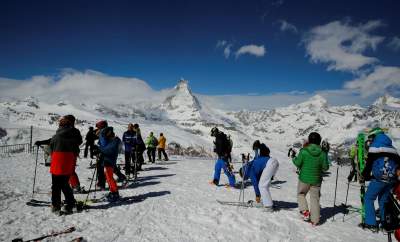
x=258 y=199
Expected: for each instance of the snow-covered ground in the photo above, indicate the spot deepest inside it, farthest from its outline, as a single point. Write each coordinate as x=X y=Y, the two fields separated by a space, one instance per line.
x=173 y=201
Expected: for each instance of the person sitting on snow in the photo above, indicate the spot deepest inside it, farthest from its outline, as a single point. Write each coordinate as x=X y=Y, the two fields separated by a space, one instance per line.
x=382 y=161
x=260 y=171
x=311 y=162
x=222 y=148
x=110 y=151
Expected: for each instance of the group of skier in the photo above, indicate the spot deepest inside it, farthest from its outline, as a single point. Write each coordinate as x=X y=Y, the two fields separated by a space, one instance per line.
x=382 y=169
x=64 y=149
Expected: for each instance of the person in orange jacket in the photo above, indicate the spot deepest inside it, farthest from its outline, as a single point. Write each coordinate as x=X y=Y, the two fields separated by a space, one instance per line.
x=161 y=147
x=64 y=148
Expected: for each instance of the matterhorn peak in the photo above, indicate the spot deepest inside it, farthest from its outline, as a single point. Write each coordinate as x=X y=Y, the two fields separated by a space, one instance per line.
x=387 y=101
x=183 y=86
x=182 y=97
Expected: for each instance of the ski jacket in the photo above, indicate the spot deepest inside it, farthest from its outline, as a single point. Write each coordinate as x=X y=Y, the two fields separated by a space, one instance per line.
x=222 y=145
x=110 y=151
x=253 y=170
x=312 y=162
x=382 y=160
x=161 y=142
x=151 y=142
x=64 y=147
x=90 y=137
x=129 y=140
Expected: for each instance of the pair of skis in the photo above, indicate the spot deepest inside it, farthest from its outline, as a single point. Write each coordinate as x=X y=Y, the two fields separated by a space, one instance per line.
x=54 y=234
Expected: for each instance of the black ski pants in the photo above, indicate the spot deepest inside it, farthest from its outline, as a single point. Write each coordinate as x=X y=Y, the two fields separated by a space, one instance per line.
x=161 y=150
x=89 y=146
x=60 y=184
x=151 y=153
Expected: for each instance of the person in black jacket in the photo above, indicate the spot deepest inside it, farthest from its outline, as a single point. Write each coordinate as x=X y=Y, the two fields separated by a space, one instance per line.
x=89 y=145
x=223 y=150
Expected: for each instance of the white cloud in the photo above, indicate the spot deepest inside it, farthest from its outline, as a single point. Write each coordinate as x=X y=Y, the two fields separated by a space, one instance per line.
x=255 y=50
x=277 y=3
x=221 y=43
x=341 y=45
x=381 y=80
x=395 y=43
x=286 y=26
x=227 y=50
x=80 y=87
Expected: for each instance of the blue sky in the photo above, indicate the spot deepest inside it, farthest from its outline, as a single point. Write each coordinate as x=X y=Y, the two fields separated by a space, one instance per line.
x=273 y=46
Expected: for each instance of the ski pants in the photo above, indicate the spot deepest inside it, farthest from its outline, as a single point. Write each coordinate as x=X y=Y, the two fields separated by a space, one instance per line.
x=162 y=150
x=128 y=158
x=88 y=147
x=265 y=181
x=101 y=179
x=222 y=164
x=380 y=190
x=315 y=192
x=60 y=184
x=151 y=153
x=109 y=171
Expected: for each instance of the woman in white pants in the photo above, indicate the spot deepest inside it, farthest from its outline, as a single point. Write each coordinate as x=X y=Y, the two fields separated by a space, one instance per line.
x=265 y=181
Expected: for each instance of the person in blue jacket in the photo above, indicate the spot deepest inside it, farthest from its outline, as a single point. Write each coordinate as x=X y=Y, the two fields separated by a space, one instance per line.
x=129 y=140
x=109 y=151
x=260 y=171
x=382 y=162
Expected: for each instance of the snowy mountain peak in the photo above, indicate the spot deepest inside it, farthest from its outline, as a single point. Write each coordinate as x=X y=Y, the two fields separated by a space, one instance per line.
x=387 y=101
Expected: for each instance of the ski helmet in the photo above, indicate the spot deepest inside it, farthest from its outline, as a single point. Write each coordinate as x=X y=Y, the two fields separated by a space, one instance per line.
x=101 y=124
x=214 y=131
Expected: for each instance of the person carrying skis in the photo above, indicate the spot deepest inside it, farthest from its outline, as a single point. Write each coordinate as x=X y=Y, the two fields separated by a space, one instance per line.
x=260 y=171
x=89 y=145
x=151 y=143
x=128 y=138
x=161 y=147
x=64 y=147
x=382 y=162
x=222 y=148
x=312 y=162
x=109 y=151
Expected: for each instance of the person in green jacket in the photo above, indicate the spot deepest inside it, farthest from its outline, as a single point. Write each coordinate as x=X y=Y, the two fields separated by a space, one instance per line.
x=312 y=161
x=151 y=144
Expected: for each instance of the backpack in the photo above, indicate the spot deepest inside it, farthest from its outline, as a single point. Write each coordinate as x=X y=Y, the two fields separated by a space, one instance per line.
x=384 y=169
x=154 y=142
x=392 y=214
x=226 y=144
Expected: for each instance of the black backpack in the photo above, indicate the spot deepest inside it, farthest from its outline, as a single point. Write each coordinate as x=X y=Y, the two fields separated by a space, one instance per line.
x=392 y=214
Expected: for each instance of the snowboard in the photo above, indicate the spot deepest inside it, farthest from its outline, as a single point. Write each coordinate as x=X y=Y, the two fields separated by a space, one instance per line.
x=65 y=231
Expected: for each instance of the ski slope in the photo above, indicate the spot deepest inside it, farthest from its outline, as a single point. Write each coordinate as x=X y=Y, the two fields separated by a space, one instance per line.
x=172 y=201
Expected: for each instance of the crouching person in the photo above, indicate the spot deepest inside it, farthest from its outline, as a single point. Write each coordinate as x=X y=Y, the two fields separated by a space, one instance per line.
x=110 y=154
x=260 y=171
x=64 y=147
x=312 y=161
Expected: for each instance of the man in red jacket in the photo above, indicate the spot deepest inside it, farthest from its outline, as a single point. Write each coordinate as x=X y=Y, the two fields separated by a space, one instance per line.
x=64 y=146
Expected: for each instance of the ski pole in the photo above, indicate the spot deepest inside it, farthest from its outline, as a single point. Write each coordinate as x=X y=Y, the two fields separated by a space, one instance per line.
x=345 y=202
x=91 y=182
x=334 y=200
x=34 y=177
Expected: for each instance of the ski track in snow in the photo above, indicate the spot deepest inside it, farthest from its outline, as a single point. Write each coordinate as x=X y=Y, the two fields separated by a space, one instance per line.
x=172 y=201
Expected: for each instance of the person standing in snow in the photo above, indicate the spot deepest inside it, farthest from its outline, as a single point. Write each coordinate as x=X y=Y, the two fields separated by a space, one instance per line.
x=89 y=145
x=260 y=171
x=161 y=147
x=151 y=143
x=139 y=147
x=222 y=148
x=382 y=161
x=64 y=147
x=109 y=151
x=128 y=138
x=312 y=162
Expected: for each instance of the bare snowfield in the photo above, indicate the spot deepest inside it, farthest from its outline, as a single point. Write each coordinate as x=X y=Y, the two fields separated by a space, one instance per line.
x=172 y=201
